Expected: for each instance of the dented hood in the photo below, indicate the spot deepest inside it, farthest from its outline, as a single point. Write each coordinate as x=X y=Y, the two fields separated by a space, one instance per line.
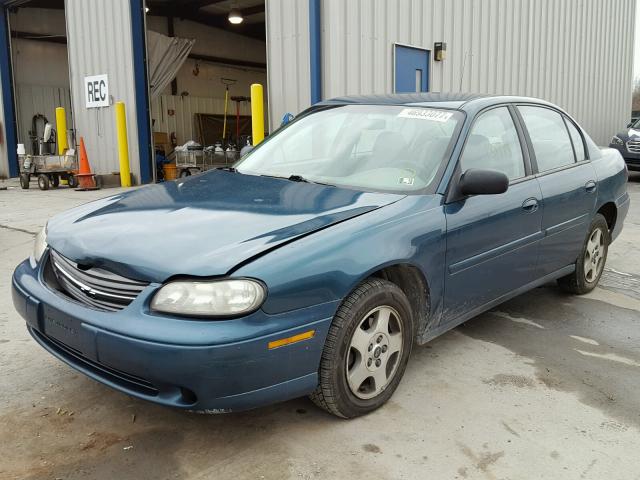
x=202 y=226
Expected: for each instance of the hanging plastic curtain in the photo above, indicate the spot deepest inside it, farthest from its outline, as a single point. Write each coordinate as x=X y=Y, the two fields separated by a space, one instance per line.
x=166 y=56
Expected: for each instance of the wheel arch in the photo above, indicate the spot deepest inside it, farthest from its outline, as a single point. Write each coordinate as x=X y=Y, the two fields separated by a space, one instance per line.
x=413 y=283
x=610 y=213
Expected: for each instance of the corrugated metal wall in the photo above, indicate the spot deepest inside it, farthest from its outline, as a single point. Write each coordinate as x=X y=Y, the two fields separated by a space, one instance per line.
x=185 y=108
x=576 y=53
x=287 y=57
x=37 y=99
x=99 y=42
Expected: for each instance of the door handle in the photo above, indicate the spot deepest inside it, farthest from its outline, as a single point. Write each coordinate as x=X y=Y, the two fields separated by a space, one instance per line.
x=530 y=205
x=590 y=186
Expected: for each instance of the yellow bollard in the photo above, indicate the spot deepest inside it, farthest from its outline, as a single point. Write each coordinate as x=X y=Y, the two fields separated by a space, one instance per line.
x=123 y=145
x=257 y=114
x=61 y=128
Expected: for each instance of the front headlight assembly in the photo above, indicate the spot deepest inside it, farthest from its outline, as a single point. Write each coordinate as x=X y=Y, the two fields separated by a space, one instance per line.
x=617 y=141
x=39 y=245
x=217 y=298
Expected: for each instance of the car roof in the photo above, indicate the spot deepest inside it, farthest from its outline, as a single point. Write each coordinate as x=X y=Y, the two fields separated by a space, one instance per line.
x=455 y=100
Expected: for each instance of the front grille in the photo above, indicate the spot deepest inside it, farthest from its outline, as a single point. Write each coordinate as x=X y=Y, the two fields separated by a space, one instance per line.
x=75 y=357
x=633 y=146
x=94 y=287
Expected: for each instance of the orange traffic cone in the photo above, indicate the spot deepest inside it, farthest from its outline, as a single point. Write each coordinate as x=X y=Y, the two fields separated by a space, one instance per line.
x=86 y=179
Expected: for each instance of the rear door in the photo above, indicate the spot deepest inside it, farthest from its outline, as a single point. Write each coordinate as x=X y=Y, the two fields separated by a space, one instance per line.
x=492 y=240
x=567 y=180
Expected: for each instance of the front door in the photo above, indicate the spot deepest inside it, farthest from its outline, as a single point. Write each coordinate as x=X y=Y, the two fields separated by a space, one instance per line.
x=411 y=69
x=492 y=240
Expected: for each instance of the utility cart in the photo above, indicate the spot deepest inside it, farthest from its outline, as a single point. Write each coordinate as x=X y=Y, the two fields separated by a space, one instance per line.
x=190 y=160
x=49 y=170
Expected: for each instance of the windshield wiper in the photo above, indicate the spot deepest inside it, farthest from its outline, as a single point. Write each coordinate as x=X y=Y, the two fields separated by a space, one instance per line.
x=297 y=178
x=227 y=169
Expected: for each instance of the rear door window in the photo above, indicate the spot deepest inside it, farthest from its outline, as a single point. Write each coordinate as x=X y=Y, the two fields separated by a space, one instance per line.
x=549 y=137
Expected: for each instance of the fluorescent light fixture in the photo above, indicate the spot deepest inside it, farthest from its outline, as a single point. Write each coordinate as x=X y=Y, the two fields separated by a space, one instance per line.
x=235 y=16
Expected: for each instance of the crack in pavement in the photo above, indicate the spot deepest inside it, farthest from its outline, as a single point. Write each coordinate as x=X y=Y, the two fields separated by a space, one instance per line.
x=16 y=229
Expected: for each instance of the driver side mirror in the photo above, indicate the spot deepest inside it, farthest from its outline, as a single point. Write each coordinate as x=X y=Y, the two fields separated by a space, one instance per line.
x=476 y=181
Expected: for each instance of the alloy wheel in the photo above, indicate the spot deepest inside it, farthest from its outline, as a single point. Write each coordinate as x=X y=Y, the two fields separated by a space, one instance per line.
x=594 y=256
x=374 y=352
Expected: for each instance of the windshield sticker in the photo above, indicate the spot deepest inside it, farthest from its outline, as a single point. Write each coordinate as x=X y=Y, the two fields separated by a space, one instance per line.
x=426 y=114
x=406 y=181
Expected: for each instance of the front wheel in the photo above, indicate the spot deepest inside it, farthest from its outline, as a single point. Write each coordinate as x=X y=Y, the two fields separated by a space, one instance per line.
x=366 y=351
x=591 y=261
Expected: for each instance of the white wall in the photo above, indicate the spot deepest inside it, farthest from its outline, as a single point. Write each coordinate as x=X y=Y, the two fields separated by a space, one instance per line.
x=575 y=53
x=288 y=57
x=183 y=120
x=218 y=43
x=100 y=42
x=40 y=69
x=205 y=90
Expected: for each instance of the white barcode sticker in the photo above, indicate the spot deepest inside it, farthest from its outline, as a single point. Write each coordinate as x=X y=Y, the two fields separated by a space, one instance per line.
x=426 y=114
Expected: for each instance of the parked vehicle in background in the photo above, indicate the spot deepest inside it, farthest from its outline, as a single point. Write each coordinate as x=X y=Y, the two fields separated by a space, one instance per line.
x=628 y=144
x=312 y=267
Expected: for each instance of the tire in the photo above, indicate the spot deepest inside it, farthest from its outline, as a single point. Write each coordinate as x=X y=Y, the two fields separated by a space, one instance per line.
x=43 y=182
x=590 y=263
x=55 y=181
x=72 y=180
x=24 y=180
x=364 y=307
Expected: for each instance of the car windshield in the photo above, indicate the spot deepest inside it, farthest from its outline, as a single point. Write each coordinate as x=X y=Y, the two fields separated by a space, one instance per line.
x=369 y=147
x=636 y=124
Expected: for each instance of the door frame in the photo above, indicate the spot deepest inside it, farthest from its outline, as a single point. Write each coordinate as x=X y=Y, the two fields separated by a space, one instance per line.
x=394 y=46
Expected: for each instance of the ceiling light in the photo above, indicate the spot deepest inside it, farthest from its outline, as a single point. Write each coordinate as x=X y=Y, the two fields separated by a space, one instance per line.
x=235 y=16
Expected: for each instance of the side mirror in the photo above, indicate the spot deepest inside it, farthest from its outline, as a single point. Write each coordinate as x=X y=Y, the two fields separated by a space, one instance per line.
x=476 y=181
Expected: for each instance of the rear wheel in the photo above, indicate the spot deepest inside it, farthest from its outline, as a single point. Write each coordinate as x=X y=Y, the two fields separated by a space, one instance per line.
x=72 y=180
x=366 y=350
x=591 y=261
x=55 y=181
x=43 y=182
x=24 y=180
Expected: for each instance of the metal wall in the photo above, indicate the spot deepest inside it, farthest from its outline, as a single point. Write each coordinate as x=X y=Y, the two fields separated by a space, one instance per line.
x=287 y=57
x=576 y=53
x=99 y=42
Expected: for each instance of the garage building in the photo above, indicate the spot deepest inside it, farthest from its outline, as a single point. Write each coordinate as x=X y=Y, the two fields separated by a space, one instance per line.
x=173 y=63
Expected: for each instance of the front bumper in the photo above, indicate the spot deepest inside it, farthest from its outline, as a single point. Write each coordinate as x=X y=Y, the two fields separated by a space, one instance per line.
x=210 y=366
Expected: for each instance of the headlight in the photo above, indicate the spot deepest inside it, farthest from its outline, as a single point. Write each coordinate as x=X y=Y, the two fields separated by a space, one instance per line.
x=209 y=299
x=40 y=244
x=616 y=141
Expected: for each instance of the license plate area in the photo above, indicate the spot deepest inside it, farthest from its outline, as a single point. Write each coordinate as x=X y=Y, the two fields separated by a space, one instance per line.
x=67 y=330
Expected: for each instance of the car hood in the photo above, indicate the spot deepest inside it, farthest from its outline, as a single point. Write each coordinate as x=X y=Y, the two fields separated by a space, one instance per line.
x=631 y=133
x=202 y=226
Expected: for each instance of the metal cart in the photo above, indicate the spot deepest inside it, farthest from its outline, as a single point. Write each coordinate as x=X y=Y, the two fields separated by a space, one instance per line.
x=216 y=157
x=49 y=169
x=190 y=161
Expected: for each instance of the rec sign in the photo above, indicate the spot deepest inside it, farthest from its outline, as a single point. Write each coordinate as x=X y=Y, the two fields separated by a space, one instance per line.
x=96 y=91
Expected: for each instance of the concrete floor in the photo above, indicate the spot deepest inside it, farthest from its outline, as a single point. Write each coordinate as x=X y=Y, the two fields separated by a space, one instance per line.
x=546 y=386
